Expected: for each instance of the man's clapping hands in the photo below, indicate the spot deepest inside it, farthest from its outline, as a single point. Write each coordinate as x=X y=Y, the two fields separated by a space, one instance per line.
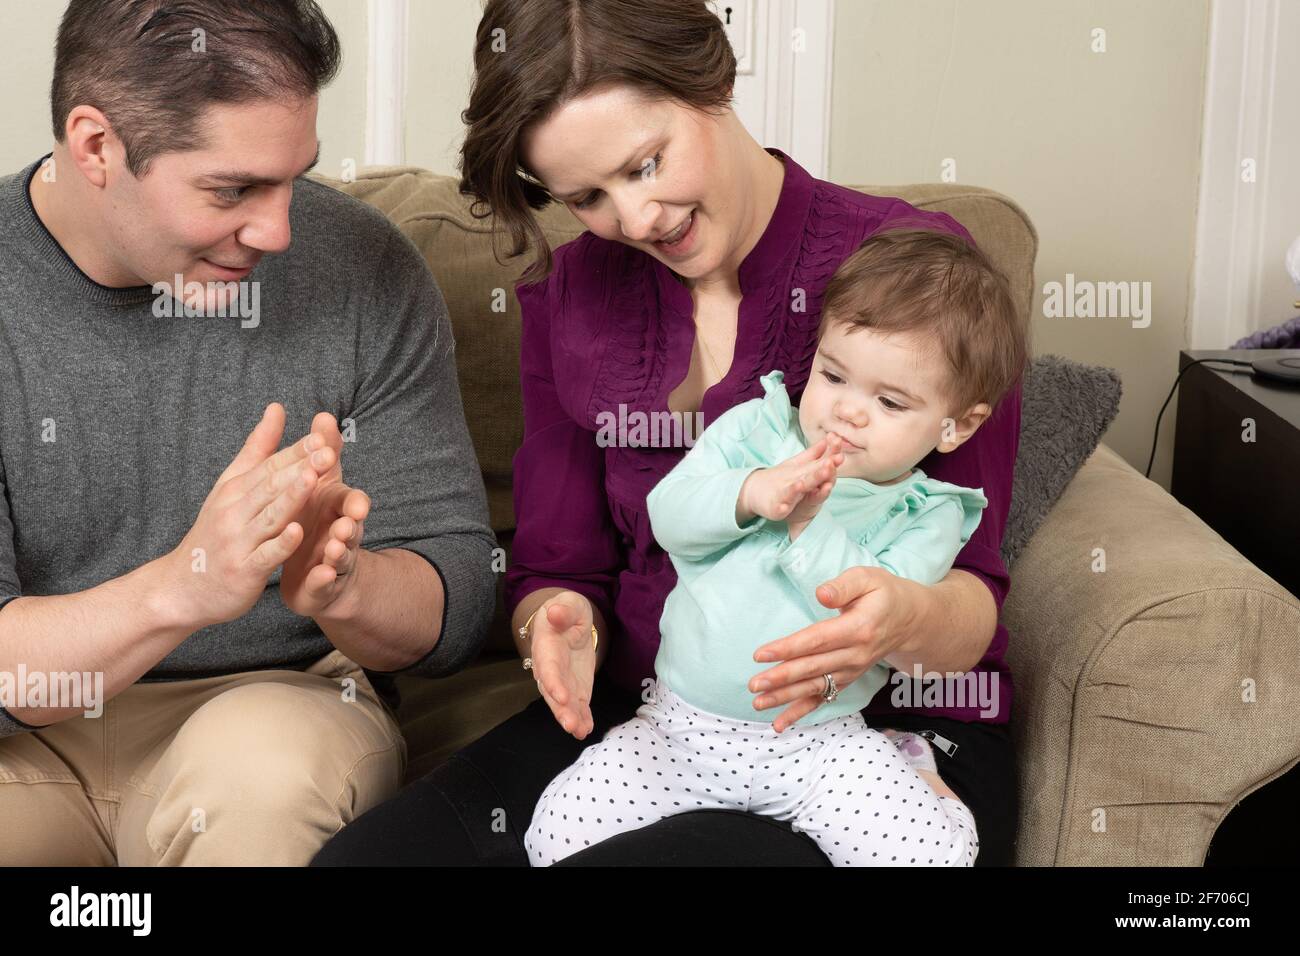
x=269 y=508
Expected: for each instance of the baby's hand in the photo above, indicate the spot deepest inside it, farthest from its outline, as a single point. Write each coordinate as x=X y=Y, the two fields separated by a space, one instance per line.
x=794 y=490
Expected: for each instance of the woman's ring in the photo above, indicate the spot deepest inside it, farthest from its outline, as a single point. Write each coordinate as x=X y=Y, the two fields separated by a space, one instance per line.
x=831 y=691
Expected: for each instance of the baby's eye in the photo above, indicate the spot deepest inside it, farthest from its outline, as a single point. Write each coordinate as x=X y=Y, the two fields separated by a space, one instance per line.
x=833 y=379
x=892 y=406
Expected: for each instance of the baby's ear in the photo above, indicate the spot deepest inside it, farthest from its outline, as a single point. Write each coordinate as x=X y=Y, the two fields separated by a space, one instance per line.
x=953 y=433
x=978 y=415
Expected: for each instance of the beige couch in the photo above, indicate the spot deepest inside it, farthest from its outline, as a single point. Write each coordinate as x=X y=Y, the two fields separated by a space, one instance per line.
x=1134 y=721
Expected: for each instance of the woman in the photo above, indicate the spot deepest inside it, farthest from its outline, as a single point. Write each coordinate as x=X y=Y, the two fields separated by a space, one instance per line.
x=702 y=269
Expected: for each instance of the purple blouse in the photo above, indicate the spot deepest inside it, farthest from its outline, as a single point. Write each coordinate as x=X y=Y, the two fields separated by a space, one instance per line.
x=611 y=326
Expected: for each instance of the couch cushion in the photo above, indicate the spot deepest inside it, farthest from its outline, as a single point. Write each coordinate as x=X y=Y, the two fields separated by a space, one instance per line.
x=1065 y=408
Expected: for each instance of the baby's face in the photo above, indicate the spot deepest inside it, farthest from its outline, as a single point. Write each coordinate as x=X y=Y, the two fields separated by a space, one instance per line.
x=880 y=394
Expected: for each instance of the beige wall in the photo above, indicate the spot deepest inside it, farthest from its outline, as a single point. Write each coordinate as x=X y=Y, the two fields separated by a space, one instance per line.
x=439 y=66
x=1101 y=149
x=26 y=64
x=341 y=122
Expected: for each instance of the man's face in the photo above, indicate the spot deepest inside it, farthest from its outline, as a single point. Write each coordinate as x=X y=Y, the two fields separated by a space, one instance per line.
x=210 y=214
x=881 y=394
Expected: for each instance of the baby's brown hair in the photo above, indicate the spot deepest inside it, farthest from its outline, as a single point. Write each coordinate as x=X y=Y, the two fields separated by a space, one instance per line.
x=939 y=285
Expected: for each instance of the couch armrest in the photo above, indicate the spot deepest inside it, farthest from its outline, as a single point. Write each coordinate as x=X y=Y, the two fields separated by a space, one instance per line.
x=1151 y=696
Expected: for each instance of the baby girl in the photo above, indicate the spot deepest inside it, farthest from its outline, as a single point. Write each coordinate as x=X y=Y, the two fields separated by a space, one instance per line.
x=919 y=340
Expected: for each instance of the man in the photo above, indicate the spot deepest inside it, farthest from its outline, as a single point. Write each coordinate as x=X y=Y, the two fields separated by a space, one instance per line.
x=167 y=283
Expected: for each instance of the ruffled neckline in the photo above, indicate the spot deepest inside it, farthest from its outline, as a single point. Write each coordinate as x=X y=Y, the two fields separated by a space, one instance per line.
x=778 y=414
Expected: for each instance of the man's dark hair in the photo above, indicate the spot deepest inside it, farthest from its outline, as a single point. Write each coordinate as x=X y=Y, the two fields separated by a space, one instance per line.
x=153 y=66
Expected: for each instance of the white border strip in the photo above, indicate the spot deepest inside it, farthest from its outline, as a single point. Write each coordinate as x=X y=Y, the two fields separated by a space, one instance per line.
x=1239 y=111
x=811 y=124
x=797 y=84
x=386 y=83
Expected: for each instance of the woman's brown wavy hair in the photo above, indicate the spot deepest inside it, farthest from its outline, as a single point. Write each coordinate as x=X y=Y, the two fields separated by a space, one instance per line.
x=532 y=56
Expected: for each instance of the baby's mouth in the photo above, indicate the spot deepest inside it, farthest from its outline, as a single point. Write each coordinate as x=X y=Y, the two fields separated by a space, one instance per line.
x=849 y=447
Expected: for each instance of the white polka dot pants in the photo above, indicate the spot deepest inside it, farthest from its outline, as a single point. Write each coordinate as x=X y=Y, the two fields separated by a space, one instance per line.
x=841 y=782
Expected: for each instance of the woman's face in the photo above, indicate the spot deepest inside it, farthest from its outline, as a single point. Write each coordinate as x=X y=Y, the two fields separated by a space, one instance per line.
x=636 y=171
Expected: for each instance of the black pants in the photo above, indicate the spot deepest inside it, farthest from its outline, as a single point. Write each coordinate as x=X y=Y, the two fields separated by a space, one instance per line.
x=475 y=808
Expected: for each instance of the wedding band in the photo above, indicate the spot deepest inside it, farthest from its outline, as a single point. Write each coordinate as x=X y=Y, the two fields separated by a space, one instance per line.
x=831 y=691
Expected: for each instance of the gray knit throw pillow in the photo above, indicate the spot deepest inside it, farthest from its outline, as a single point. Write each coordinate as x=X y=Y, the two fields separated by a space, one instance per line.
x=1065 y=408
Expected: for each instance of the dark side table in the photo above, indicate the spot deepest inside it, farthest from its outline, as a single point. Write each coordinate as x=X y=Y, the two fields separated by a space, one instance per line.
x=1246 y=491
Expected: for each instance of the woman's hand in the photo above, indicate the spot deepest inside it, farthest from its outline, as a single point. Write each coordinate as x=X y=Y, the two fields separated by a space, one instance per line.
x=879 y=612
x=564 y=660
x=794 y=490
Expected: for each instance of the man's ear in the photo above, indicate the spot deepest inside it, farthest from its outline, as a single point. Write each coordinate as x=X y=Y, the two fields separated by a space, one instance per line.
x=953 y=432
x=91 y=144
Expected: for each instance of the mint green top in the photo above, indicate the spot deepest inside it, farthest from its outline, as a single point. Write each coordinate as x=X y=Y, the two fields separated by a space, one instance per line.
x=739 y=587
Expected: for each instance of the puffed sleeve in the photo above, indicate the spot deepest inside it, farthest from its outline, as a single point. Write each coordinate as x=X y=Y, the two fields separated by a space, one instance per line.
x=564 y=533
x=693 y=509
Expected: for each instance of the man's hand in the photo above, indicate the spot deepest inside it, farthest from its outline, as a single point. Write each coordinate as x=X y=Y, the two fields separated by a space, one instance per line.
x=320 y=576
x=246 y=526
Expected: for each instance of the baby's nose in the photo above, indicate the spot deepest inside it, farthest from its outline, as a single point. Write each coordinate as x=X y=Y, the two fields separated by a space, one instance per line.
x=855 y=413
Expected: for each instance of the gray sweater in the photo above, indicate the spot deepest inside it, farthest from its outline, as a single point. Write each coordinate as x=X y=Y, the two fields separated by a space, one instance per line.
x=145 y=411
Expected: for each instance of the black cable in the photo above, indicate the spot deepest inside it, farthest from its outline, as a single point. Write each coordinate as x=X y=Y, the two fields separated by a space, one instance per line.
x=1156 y=437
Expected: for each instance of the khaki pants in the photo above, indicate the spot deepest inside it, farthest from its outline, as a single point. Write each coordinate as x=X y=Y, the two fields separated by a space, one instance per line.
x=258 y=768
